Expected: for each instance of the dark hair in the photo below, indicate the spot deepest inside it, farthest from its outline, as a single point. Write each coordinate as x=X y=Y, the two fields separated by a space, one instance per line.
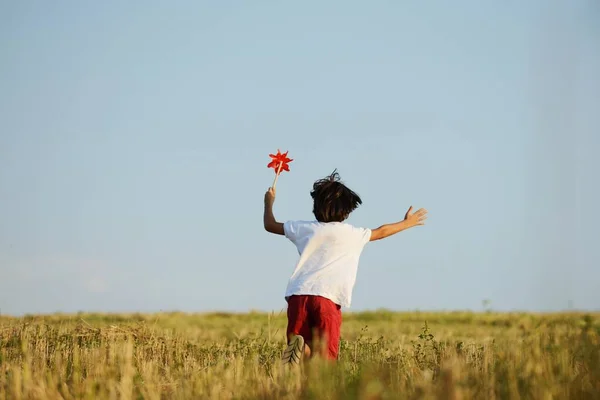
x=333 y=201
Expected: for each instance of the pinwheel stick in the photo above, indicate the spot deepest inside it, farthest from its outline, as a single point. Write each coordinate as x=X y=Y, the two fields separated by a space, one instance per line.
x=277 y=175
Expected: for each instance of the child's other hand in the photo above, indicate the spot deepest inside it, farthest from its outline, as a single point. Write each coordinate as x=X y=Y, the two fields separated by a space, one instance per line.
x=270 y=196
x=418 y=218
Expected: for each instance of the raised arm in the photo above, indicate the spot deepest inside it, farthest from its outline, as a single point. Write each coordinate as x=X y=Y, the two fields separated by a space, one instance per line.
x=271 y=224
x=410 y=220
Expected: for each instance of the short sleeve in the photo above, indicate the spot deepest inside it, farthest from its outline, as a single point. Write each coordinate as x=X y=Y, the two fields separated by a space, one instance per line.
x=290 y=229
x=364 y=235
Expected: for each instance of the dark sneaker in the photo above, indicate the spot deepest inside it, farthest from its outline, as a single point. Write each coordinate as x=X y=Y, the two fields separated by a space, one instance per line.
x=294 y=351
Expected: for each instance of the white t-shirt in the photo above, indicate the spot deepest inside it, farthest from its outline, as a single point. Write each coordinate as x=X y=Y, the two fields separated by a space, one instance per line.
x=329 y=254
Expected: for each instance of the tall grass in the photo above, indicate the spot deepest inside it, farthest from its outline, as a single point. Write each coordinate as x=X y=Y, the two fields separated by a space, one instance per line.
x=384 y=355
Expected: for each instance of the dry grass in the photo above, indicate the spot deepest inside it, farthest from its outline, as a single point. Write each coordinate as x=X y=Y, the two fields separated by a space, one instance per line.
x=384 y=355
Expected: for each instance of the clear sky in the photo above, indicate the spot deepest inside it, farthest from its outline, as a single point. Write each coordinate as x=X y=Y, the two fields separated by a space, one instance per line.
x=134 y=139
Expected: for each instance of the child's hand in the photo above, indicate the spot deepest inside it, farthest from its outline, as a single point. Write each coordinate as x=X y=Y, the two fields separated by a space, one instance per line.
x=418 y=218
x=270 y=196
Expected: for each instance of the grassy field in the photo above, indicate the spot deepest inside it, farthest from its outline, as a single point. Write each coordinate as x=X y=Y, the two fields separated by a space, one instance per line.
x=384 y=355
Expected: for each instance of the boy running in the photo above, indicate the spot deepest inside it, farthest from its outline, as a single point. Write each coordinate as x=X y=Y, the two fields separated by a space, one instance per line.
x=325 y=273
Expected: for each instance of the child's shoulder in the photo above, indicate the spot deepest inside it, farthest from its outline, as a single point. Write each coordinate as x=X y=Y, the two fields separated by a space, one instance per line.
x=348 y=232
x=295 y=224
x=299 y=222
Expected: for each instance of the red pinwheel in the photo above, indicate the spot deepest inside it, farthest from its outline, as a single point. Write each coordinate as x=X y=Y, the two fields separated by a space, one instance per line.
x=279 y=162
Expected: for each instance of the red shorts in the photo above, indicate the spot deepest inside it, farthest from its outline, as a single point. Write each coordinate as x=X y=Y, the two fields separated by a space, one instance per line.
x=315 y=317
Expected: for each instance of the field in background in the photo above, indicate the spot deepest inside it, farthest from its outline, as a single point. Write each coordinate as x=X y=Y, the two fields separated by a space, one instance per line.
x=384 y=355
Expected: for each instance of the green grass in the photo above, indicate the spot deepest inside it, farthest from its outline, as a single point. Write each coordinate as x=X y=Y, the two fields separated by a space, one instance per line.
x=384 y=355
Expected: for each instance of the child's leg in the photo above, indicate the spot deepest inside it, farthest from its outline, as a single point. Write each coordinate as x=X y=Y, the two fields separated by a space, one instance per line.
x=298 y=322
x=327 y=324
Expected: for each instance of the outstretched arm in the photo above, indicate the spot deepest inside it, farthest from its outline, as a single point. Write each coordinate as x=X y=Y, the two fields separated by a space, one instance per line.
x=410 y=220
x=271 y=224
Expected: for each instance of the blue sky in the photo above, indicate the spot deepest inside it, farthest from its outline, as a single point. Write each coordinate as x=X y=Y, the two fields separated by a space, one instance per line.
x=134 y=138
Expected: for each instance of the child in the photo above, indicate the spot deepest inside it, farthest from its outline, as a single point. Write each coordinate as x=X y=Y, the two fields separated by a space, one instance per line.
x=324 y=277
